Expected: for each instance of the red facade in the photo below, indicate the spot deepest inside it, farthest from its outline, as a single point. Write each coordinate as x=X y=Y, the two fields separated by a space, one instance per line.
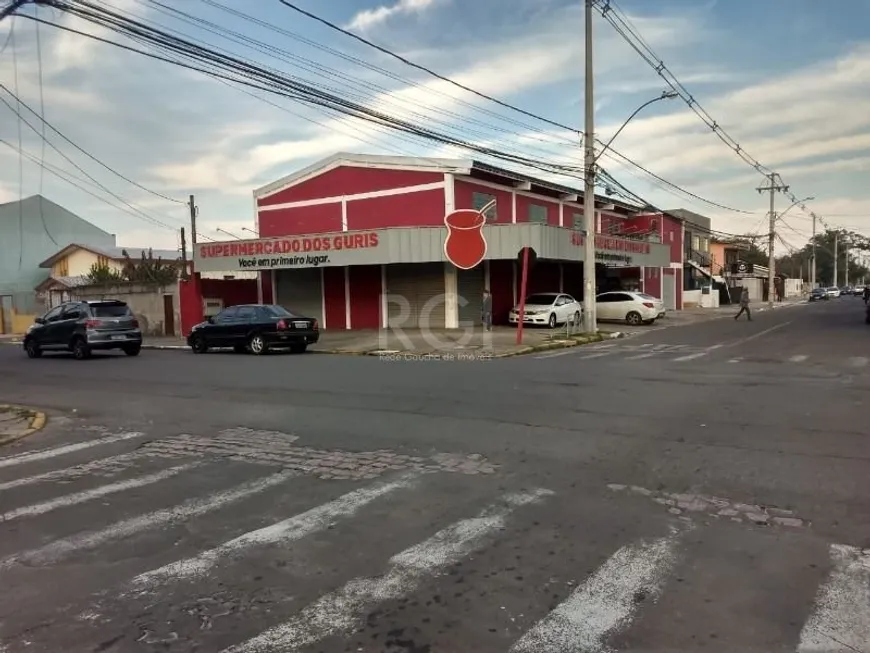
x=463 y=198
x=349 y=180
x=365 y=294
x=316 y=218
x=333 y=293
x=420 y=209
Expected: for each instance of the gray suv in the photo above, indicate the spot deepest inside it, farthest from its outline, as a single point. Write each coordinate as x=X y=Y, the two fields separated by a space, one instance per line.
x=83 y=327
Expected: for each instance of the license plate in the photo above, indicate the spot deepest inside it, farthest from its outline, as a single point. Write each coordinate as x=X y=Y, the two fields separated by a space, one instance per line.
x=118 y=337
x=300 y=325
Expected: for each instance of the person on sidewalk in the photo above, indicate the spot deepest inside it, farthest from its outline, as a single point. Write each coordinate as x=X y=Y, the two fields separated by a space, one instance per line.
x=744 y=305
x=486 y=310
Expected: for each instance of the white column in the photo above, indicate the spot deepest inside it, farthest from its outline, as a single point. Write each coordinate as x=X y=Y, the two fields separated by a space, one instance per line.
x=323 y=297
x=451 y=296
x=385 y=320
x=561 y=278
x=514 y=207
x=344 y=215
x=486 y=277
x=347 y=313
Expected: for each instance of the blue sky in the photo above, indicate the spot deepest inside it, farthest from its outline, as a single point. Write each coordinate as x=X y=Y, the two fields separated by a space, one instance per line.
x=788 y=79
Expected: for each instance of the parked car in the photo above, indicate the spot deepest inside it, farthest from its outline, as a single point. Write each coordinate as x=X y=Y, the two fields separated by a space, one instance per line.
x=83 y=327
x=550 y=308
x=255 y=328
x=833 y=291
x=819 y=294
x=631 y=307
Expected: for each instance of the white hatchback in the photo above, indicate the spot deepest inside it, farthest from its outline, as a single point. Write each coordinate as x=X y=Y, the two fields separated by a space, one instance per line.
x=630 y=307
x=548 y=308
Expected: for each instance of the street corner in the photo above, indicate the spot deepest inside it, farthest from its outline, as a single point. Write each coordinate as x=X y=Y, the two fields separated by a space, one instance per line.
x=18 y=422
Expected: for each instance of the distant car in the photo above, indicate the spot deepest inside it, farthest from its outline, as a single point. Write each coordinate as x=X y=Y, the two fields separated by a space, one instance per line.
x=630 y=307
x=549 y=309
x=255 y=328
x=819 y=294
x=833 y=291
x=83 y=327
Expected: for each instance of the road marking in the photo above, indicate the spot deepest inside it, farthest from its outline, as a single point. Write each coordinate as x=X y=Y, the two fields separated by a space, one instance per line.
x=609 y=346
x=340 y=611
x=858 y=361
x=22 y=458
x=640 y=356
x=840 y=621
x=102 y=466
x=605 y=602
x=288 y=530
x=757 y=335
x=735 y=360
x=800 y=358
x=55 y=551
x=590 y=356
x=556 y=354
x=94 y=493
x=690 y=357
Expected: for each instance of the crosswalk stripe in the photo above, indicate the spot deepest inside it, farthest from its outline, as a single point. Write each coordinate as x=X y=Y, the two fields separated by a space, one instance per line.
x=691 y=357
x=840 y=622
x=604 y=602
x=54 y=551
x=641 y=356
x=800 y=358
x=43 y=454
x=96 y=466
x=858 y=361
x=289 y=530
x=339 y=611
x=94 y=493
x=591 y=356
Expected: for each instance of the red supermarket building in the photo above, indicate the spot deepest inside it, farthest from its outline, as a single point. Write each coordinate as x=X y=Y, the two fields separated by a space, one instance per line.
x=358 y=242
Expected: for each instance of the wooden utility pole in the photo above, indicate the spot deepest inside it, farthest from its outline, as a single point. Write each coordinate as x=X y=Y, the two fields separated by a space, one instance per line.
x=772 y=188
x=184 y=271
x=193 y=211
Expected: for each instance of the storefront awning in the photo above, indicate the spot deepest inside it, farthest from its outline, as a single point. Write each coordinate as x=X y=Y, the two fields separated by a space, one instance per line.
x=420 y=245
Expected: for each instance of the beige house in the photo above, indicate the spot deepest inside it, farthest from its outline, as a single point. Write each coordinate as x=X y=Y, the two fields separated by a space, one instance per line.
x=71 y=265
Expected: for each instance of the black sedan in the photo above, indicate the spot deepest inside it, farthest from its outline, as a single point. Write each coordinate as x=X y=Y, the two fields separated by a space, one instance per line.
x=255 y=328
x=819 y=294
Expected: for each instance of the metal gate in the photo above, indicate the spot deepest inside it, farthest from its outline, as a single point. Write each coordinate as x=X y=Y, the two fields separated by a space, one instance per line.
x=669 y=291
x=415 y=295
x=301 y=292
x=469 y=284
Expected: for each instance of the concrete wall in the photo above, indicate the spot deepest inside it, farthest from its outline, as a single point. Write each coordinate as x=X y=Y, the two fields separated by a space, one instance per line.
x=146 y=302
x=30 y=232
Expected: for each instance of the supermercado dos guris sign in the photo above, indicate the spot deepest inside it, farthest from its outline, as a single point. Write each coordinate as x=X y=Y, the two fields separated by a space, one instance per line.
x=285 y=252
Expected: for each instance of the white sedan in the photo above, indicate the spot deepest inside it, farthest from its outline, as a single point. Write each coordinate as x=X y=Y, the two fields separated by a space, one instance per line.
x=548 y=308
x=630 y=307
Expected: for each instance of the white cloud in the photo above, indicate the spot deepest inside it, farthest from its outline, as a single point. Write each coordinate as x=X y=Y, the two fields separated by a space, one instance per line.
x=369 y=18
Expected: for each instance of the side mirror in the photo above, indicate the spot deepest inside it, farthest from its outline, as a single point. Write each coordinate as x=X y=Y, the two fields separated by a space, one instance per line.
x=39 y=320
x=210 y=320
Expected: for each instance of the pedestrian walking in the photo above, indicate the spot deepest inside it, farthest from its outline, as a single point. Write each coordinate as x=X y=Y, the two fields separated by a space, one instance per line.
x=744 y=305
x=486 y=310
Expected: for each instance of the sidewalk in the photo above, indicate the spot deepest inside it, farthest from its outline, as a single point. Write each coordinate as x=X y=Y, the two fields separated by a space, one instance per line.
x=447 y=344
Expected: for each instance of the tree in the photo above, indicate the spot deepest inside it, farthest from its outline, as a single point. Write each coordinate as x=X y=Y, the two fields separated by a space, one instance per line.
x=799 y=262
x=149 y=270
x=102 y=273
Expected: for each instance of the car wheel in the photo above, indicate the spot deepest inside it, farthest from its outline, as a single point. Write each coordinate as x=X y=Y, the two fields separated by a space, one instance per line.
x=634 y=318
x=80 y=349
x=552 y=321
x=32 y=349
x=133 y=350
x=257 y=344
x=198 y=345
x=299 y=348
x=576 y=318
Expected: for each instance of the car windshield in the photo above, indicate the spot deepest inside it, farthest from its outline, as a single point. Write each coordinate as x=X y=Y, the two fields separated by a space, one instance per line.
x=110 y=310
x=542 y=298
x=278 y=311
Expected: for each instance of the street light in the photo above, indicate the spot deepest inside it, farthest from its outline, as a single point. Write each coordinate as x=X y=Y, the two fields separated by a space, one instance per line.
x=813 y=267
x=251 y=231
x=590 y=319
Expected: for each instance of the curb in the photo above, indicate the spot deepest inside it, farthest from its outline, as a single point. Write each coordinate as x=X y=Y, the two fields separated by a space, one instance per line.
x=38 y=421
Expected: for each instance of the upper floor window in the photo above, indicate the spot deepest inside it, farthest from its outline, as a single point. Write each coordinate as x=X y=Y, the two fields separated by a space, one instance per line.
x=103 y=261
x=577 y=220
x=62 y=268
x=696 y=243
x=537 y=214
x=479 y=200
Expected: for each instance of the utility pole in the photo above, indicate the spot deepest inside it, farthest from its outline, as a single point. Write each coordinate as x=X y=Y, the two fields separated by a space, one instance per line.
x=12 y=7
x=192 y=206
x=589 y=313
x=846 y=267
x=184 y=271
x=813 y=269
x=771 y=258
x=836 y=256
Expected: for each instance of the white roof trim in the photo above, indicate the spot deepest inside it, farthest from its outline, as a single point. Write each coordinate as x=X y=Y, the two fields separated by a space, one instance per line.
x=421 y=164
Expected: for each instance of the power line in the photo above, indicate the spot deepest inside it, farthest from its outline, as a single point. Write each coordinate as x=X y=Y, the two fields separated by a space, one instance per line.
x=42 y=134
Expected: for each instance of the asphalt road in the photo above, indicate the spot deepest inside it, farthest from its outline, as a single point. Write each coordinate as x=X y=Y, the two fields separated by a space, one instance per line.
x=696 y=488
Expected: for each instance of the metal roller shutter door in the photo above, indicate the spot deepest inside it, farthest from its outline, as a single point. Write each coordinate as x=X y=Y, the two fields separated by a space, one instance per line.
x=301 y=291
x=470 y=288
x=422 y=286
